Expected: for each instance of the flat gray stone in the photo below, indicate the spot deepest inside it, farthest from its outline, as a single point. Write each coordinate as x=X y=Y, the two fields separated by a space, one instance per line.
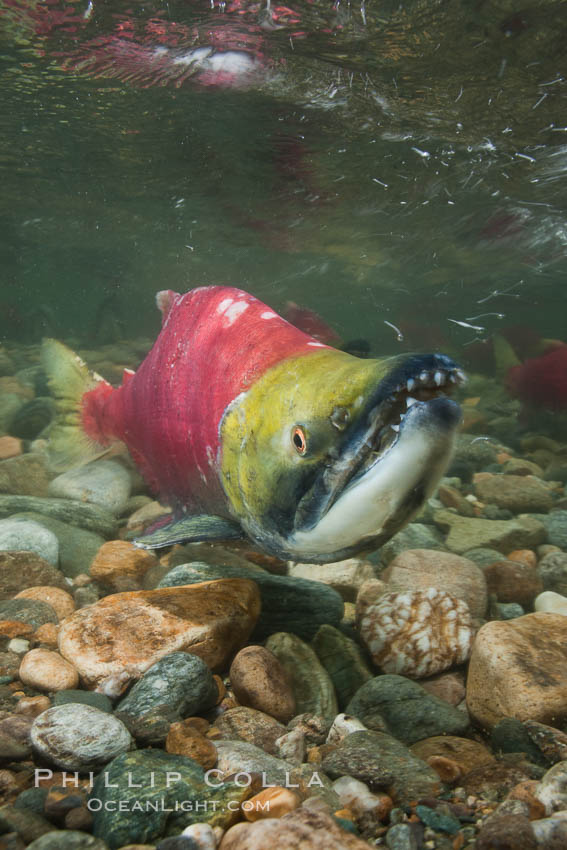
x=31 y=611
x=105 y=483
x=89 y=517
x=21 y=534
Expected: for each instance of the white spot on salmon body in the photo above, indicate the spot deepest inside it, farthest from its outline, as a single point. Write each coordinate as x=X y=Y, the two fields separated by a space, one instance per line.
x=316 y=344
x=234 y=311
x=268 y=315
x=225 y=303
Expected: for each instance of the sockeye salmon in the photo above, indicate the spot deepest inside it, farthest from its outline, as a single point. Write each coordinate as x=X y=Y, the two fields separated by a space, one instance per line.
x=248 y=427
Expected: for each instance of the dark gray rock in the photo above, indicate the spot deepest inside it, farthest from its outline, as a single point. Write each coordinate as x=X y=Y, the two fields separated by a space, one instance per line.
x=32 y=799
x=343 y=660
x=31 y=611
x=556 y=526
x=161 y=794
x=382 y=760
x=27 y=824
x=78 y=737
x=69 y=511
x=415 y=536
x=68 y=839
x=483 y=556
x=288 y=604
x=77 y=547
x=405 y=709
x=552 y=570
x=91 y=698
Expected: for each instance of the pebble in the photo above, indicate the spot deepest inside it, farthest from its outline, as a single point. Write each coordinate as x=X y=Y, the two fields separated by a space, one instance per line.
x=25 y=475
x=68 y=840
x=294 y=605
x=468 y=754
x=104 y=483
x=47 y=671
x=552 y=789
x=46 y=636
x=248 y=724
x=343 y=725
x=178 y=685
x=507 y=832
x=291 y=746
x=270 y=803
x=312 y=686
x=31 y=611
x=553 y=572
x=19 y=534
x=345 y=577
x=243 y=756
x=513 y=581
x=450 y=687
x=183 y=740
x=77 y=547
x=552 y=603
x=357 y=796
x=343 y=659
x=120 y=565
x=518 y=668
x=66 y=696
x=202 y=834
x=417 y=633
x=414 y=536
x=464 y=533
x=405 y=710
x=305 y=827
x=128 y=632
x=60 y=600
x=519 y=494
x=383 y=762
x=78 y=737
x=556 y=526
x=402 y=836
x=551 y=742
x=10 y=447
x=482 y=556
x=419 y=569
x=20 y=570
x=259 y=681
x=159 y=781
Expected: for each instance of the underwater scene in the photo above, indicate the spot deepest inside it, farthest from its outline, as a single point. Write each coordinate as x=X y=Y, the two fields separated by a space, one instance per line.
x=283 y=425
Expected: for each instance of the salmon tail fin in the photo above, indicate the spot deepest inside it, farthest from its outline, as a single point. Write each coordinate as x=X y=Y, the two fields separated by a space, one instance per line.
x=69 y=379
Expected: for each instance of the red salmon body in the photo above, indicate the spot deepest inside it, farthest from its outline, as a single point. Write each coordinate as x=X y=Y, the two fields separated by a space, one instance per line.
x=214 y=344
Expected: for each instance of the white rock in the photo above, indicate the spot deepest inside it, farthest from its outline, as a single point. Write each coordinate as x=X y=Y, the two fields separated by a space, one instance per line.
x=19 y=645
x=343 y=725
x=291 y=746
x=105 y=483
x=346 y=577
x=552 y=789
x=202 y=834
x=356 y=795
x=551 y=603
x=18 y=534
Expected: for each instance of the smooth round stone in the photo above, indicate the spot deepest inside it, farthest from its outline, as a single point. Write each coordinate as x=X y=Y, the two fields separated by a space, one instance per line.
x=303 y=828
x=556 y=525
x=259 y=681
x=30 y=611
x=62 y=602
x=77 y=547
x=551 y=602
x=68 y=839
x=247 y=724
x=20 y=570
x=25 y=535
x=202 y=834
x=47 y=671
x=105 y=483
x=312 y=686
x=92 y=698
x=177 y=686
x=60 y=736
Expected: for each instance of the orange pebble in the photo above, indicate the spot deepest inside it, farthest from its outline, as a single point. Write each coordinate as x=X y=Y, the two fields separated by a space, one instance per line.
x=523 y=556
x=15 y=629
x=270 y=803
x=46 y=635
x=10 y=447
x=502 y=457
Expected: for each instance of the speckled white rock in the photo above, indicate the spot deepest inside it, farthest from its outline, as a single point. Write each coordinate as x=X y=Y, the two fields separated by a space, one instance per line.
x=18 y=534
x=47 y=671
x=551 y=602
x=552 y=789
x=202 y=834
x=79 y=737
x=105 y=483
x=291 y=746
x=417 y=633
x=343 y=725
x=357 y=796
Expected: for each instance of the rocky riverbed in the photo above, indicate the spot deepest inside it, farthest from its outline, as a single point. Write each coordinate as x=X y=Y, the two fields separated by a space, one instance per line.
x=214 y=697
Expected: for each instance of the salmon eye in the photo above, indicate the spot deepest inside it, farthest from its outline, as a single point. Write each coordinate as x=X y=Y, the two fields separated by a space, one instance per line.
x=299 y=440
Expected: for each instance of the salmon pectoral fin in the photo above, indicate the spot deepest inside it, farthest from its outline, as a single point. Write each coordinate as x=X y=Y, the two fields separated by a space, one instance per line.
x=189 y=529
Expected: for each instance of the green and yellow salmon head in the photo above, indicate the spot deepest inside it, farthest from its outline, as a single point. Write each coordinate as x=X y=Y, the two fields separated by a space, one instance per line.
x=327 y=454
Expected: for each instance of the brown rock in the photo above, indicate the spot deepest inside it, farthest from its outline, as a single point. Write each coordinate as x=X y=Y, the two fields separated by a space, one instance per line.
x=25 y=475
x=524 y=792
x=248 y=724
x=468 y=754
x=184 y=740
x=259 y=681
x=128 y=632
x=418 y=569
x=417 y=633
x=447 y=769
x=79 y=818
x=451 y=498
x=14 y=629
x=446 y=686
x=33 y=706
x=15 y=727
x=19 y=570
x=493 y=781
x=513 y=581
x=60 y=600
x=518 y=668
x=272 y=802
x=517 y=494
x=47 y=671
x=9 y=663
x=524 y=556
x=303 y=828
x=552 y=742
x=10 y=447
x=508 y=832
x=46 y=635
x=121 y=565
x=346 y=577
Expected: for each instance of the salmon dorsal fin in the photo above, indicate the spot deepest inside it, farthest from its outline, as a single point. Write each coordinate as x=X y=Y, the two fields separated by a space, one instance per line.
x=165 y=299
